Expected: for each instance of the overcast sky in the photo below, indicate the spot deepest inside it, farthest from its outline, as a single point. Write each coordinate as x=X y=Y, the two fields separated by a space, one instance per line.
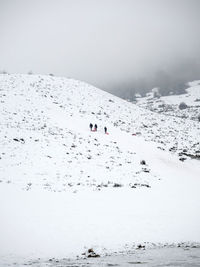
x=102 y=42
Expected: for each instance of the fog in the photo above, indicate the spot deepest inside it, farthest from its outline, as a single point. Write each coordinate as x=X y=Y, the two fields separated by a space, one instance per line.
x=118 y=45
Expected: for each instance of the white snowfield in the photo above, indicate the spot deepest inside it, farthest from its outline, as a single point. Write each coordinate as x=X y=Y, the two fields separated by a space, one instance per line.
x=191 y=98
x=64 y=189
x=169 y=105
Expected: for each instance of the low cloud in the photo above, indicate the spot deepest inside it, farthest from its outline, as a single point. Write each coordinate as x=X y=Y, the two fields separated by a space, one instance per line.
x=113 y=44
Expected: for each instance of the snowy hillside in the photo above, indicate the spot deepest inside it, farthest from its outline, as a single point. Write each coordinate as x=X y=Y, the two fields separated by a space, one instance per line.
x=64 y=188
x=45 y=122
x=169 y=105
x=188 y=116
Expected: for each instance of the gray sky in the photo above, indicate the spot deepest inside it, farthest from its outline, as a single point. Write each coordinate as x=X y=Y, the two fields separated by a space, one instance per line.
x=103 y=42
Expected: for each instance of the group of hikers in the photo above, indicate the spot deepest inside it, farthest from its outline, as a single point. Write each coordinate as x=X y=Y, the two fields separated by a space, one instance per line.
x=95 y=128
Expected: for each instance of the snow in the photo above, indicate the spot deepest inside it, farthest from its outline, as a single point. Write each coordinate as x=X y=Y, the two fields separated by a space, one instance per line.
x=169 y=105
x=192 y=93
x=64 y=189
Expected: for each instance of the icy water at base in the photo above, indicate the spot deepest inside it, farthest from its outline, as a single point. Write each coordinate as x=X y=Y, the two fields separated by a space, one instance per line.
x=188 y=257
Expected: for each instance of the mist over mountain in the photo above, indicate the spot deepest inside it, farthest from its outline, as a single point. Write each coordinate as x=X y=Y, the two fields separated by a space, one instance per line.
x=121 y=46
x=173 y=81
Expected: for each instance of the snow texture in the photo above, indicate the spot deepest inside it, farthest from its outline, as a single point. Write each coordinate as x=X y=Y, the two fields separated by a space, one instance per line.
x=64 y=188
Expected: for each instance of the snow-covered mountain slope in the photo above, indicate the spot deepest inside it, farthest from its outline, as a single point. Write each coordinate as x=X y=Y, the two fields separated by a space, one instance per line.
x=83 y=188
x=188 y=116
x=45 y=137
x=191 y=98
x=51 y=116
x=169 y=105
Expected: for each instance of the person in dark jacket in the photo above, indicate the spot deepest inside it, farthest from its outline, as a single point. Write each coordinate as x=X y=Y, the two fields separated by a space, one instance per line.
x=105 y=129
x=91 y=126
x=95 y=127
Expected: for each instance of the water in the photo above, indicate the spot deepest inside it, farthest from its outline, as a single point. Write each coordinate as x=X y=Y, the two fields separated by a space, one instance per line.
x=156 y=257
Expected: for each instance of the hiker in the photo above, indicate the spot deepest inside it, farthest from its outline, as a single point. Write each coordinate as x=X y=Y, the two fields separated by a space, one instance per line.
x=105 y=129
x=91 y=126
x=95 y=127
